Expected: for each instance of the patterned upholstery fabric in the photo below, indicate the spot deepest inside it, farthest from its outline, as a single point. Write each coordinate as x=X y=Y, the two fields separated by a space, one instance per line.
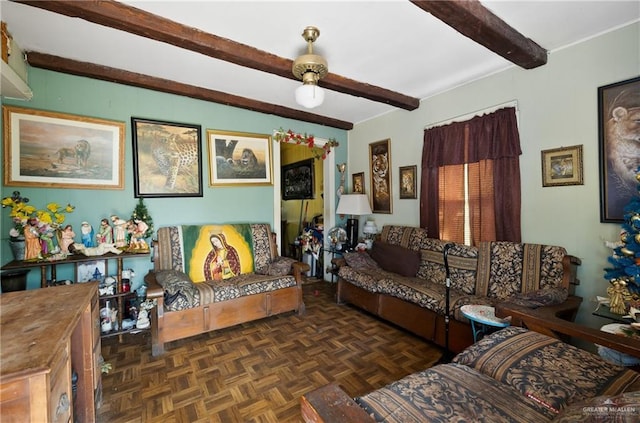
x=181 y=293
x=508 y=268
x=449 y=393
x=404 y=236
x=170 y=262
x=553 y=373
x=624 y=408
x=169 y=252
x=416 y=290
x=513 y=375
x=462 y=259
x=528 y=274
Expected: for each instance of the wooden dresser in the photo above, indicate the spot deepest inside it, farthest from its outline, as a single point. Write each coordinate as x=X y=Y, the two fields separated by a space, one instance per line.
x=45 y=334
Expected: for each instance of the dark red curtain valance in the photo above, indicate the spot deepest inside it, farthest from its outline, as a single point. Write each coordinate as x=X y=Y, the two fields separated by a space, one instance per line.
x=492 y=136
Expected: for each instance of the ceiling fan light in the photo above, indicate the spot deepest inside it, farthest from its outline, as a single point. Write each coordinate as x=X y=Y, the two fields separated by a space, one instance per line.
x=309 y=95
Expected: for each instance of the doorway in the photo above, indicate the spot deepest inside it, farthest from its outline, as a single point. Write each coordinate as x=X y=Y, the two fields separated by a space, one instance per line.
x=294 y=213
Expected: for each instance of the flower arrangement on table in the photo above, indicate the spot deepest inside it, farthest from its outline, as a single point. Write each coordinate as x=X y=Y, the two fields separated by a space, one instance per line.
x=310 y=243
x=293 y=138
x=37 y=227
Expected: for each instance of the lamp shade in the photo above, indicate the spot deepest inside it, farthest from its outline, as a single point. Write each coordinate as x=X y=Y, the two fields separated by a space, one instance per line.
x=370 y=227
x=309 y=95
x=355 y=204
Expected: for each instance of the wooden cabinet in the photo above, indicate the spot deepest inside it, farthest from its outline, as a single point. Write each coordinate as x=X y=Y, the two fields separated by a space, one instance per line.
x=47 y=334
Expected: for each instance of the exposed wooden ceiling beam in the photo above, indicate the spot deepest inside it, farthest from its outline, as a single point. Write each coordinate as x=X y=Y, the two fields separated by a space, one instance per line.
x=105 y=73
x=136 y=21
x=473 y=20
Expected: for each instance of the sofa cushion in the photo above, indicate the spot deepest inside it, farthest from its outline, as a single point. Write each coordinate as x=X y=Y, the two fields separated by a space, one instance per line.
x=279 y=266
x=449 y=393
x=360 y=260
x=463 y=263
x=410 y=237
x=540 y=298
x=396 y=259
x=619 y=408
x=188 y=248
x=509 y=268
x=546 y=369
x=179 y=292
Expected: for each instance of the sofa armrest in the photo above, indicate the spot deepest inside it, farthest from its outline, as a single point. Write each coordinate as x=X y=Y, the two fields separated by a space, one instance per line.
x=570 y=270
x=545 y=320
x=298 y=268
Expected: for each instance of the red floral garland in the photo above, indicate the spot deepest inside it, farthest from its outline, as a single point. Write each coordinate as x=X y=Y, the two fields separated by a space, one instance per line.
x=291 y=137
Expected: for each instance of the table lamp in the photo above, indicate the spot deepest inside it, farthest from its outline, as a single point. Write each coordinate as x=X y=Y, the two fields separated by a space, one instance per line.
x=369 y=230
x=354 y=205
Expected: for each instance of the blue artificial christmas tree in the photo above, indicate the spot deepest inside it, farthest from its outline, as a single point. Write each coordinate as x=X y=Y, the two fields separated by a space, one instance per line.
x=626 y=257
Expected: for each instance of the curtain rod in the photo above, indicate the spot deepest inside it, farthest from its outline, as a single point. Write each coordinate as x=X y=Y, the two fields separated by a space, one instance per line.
x=466 y=116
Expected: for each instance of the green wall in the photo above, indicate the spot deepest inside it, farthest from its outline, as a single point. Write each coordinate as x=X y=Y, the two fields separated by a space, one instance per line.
x=84 y=96
x=557 y=106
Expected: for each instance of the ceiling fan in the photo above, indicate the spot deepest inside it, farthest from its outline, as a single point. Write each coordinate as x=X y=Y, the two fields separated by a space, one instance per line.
x=310 y=68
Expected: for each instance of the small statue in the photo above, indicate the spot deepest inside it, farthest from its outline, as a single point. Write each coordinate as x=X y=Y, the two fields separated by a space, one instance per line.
x=87 y=234
x=66 y=238
x=137 y=228
x=119 y=231
x=105 y=233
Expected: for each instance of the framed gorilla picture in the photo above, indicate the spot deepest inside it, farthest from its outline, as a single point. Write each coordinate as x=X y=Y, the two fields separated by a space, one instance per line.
x=297 y=180
x=239 y=158
x=59 y=150
x=619 y=130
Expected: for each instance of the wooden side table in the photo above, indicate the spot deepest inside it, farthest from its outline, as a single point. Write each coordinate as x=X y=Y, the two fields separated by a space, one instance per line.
x=484 y=317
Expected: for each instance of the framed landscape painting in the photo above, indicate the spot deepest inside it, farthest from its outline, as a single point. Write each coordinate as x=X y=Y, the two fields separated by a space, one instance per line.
x=60 y=150
x=167 y=159
x=619 y=132
x=239 y=158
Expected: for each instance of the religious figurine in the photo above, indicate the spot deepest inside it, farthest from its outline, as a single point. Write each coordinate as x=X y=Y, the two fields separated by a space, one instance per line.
x=119 y=231
x=87 y=234
x=66 y=238
x=105 y=233
x=137 y=228
x=32 y=239
x=101 y=249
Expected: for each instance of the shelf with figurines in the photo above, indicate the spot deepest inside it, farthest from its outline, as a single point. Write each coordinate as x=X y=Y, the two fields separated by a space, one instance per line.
x=125 y=311
x=115 y=239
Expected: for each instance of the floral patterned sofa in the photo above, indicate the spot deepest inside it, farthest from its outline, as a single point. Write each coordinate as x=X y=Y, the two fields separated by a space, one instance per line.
x=402 y=280
x=207 y=277
x=513 y=375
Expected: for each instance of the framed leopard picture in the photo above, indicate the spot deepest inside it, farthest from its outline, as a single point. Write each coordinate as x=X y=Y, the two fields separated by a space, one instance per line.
x=167 y=159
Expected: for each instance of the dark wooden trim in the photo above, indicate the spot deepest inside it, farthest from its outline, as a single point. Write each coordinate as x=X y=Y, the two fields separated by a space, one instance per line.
x=473 y=20
x=136 y=21
x=105 y=73
x=545 y=320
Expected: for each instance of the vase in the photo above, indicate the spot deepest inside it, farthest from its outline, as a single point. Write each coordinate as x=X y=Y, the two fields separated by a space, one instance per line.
x=17 y=248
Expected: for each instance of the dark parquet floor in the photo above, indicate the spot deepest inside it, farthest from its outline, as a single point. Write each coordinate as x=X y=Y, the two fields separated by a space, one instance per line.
x=257 y=372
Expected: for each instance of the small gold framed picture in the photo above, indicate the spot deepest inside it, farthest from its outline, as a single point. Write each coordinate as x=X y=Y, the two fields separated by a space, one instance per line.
x=562 y=166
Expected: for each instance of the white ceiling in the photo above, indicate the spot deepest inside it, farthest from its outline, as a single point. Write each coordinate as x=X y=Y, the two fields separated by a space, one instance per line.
x=391 y=44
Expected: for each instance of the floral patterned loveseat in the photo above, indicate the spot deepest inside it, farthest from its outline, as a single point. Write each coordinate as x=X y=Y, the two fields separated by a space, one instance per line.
x=207 y=277
x=402 y=280
x=513 y=375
